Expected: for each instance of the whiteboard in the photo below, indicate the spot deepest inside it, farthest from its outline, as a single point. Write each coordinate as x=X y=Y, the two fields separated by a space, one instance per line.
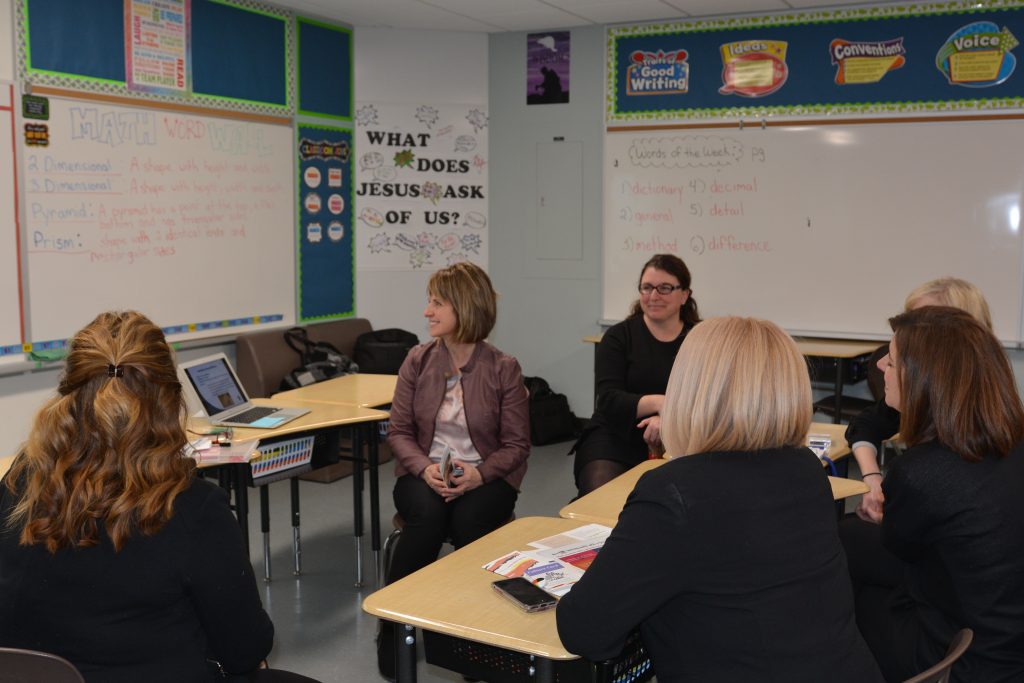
x=189 y=219
x=10 y=302
x=823 y=229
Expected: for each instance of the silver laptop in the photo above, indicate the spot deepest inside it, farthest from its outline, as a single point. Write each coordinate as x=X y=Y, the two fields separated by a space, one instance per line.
x=223 y=398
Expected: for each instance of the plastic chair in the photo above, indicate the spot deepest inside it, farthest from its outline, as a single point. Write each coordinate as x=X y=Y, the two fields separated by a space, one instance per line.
x=940 y=672
x=17 y=666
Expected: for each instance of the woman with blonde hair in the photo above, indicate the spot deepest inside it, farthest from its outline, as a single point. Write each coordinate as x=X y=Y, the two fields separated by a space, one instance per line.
x=113 y=554
x=880 y=421
x=727 y=557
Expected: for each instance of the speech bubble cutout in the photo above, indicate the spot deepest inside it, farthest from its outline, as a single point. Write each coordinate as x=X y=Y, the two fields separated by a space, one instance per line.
x=371 y=217
x=475 y=219
x=465 y=143
x=447 y=242
x=371 y=160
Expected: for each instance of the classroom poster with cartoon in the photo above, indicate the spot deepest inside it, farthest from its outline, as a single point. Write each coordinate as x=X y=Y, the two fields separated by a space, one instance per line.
x=421 y=185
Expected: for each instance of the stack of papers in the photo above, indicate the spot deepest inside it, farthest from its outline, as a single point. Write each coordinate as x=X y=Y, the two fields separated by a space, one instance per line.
x=220 y=455
x=555 y=563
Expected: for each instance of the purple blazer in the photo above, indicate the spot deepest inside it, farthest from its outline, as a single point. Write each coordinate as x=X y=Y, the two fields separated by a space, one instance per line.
x=496 y=407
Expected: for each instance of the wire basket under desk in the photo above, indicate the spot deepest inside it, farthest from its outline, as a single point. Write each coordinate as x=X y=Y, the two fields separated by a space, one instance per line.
x=499 y=665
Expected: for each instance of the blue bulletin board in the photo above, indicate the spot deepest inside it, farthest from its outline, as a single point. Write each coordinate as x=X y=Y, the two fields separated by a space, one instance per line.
x=325 y=69
x=325 y=241
x=891 y=59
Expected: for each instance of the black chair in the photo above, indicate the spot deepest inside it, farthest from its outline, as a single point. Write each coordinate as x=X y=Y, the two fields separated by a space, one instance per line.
x=940 y=672
x=20 y=666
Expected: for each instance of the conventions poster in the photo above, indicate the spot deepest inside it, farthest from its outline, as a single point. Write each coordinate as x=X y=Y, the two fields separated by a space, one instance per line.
x=421 y=185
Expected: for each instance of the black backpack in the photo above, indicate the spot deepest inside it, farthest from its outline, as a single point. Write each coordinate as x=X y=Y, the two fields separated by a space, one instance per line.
x=382 y=351
x=319 y=361
x=550 y=418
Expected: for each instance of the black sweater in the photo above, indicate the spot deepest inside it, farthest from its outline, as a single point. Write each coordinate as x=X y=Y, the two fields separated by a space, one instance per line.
x=731 y=566
x=153 y=611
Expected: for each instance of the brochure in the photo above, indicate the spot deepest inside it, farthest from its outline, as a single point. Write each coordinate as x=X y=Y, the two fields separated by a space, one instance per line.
x=555 y=563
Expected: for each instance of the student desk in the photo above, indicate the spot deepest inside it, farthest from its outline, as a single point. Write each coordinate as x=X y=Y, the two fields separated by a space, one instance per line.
x=604 y=505
x=322 y=417
x=5 y=464
x=453 y=596
x=837 y=351
x=365 y=391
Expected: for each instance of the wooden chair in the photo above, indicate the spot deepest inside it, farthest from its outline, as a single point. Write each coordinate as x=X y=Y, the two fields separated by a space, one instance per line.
x=17 y=666
x=940 y=672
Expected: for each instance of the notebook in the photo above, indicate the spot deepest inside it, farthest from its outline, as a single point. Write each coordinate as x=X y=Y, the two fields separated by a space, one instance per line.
x=223 y=398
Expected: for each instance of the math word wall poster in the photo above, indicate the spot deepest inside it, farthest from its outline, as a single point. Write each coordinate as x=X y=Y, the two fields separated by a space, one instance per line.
x=421 y=185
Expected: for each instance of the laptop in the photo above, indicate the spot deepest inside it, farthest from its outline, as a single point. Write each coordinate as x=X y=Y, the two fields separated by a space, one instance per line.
x=223 y=398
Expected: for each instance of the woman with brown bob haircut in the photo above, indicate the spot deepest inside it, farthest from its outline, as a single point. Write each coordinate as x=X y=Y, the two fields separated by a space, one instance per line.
x=727 y=557
x=948 y=554
x=113 y=554
x=457 y=399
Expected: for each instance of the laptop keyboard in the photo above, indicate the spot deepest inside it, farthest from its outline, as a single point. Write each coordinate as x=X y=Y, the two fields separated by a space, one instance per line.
x=253 y=414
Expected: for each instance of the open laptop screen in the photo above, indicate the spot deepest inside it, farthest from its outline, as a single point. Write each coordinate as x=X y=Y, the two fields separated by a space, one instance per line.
x=215 y=385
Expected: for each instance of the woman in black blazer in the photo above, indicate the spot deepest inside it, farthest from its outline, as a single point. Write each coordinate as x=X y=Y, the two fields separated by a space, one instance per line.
x=727 y=557
x=949 y=553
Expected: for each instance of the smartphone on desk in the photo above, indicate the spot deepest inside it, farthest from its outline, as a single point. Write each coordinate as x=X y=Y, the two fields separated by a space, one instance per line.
x=527 y=596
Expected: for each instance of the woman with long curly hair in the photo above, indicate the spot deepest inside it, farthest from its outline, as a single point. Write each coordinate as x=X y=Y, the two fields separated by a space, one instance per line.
x=113 y=554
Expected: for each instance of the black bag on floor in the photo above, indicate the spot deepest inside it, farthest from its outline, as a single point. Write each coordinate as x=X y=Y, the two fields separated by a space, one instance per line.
x=551 y=420
x=319 y=361
x=382 y=351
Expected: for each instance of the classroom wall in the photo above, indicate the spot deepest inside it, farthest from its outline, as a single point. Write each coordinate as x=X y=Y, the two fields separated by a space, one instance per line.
x=549 y=284
x=394 y=66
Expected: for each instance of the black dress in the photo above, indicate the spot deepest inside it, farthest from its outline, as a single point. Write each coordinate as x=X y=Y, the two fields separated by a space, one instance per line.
x=153 y=611
x=630 y=363
x=731 y=567
x=958 y=528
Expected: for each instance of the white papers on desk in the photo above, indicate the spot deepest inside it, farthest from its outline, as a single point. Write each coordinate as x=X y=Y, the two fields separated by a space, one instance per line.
x=222 y=455
x=555 y=563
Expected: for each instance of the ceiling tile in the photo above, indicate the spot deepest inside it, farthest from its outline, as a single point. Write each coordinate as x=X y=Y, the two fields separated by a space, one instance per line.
x=611 y=12
x=706 y=8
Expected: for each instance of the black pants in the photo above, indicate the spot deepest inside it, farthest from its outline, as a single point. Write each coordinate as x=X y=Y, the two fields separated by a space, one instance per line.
x=886 y=614
x=429 y=520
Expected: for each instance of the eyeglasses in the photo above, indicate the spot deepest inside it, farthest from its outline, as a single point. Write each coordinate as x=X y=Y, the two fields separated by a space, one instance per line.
x=663 y=289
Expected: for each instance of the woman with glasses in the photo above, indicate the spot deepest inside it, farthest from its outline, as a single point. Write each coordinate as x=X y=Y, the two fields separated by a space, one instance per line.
x=633 y=363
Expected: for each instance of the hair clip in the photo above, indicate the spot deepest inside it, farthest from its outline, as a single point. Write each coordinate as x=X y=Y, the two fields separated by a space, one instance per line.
x=115 y=371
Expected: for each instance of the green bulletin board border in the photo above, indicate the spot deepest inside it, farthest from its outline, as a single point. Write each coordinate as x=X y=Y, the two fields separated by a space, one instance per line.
x=351 y=62
x=794 y=18
x=299 y=318
x=119 y=88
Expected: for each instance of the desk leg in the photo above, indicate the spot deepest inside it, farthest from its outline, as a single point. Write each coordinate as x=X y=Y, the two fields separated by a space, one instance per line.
x=265 y=528
x=543 y=669
x=405 y=649
x=357 y=498
x=837 y=418
x=373 y=457
x=296 y=539
x=239 y=475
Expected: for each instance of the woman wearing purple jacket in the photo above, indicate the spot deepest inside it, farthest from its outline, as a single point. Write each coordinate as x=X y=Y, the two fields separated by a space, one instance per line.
x=460 y=396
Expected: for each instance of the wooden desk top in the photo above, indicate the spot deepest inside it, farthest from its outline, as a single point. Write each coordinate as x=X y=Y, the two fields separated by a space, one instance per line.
x=592 y=339
x=360 y=389
x=454 y=595
x=321 y=416
x=604 y=505
x=836 y=348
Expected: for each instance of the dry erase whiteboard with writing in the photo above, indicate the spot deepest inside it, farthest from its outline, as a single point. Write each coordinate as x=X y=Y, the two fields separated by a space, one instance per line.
x=10 y=304
x=187 y=218
x=820 y=228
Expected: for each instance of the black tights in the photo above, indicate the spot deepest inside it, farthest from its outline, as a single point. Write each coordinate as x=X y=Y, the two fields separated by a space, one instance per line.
x=597 y=473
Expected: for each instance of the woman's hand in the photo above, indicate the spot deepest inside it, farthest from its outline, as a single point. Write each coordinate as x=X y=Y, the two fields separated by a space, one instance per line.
x=467 y=481
x=871 y=504
x=652 y=431
x=432 y=475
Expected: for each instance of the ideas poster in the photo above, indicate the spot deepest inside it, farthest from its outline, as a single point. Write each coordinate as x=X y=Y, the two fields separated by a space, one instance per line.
x=421 y=185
